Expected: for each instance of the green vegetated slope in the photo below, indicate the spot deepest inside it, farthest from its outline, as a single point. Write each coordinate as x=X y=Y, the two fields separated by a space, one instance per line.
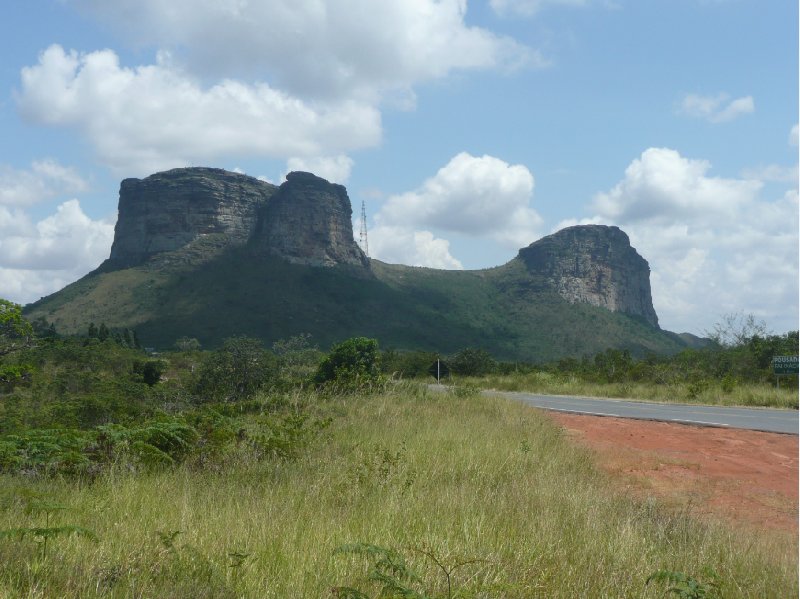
x=238 y=293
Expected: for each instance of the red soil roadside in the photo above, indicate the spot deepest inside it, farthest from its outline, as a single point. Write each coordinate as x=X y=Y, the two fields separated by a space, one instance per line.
x=748 y=478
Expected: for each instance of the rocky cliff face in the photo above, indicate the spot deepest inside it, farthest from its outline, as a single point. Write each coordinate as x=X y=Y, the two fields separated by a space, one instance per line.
x=594 y=264
x=169 y=210
x=307 y=220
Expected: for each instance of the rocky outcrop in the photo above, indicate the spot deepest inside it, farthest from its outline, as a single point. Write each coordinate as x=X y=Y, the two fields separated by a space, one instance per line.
x=594 y=264
x=169 y=210
x=309 y=221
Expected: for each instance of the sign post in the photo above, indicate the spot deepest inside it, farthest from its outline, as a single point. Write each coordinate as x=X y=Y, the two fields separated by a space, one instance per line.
x=439 y=370
x=784 y=366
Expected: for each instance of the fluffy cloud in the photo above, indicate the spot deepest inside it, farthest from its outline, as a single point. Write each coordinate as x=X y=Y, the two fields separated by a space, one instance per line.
x=335 y=169
x=156 y=117
x=44 y=180
x=334 y=48
x=716 y=109
x=713 y=244
x=793 y=136
x=40 y=258
x=476 y=196
x=400 y=245
x=661 y=185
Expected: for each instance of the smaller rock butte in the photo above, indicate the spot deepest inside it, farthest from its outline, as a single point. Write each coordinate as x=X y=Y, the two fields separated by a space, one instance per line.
x=308 y=220
x=594 y=264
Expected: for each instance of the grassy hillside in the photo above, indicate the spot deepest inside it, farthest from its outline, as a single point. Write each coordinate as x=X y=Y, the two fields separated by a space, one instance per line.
x=237 y=293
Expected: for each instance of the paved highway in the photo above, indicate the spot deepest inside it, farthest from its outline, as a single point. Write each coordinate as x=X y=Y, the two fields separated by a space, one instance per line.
x=757 y=419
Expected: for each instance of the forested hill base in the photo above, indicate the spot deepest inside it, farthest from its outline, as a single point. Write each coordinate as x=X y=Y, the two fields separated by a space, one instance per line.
x=210 y=254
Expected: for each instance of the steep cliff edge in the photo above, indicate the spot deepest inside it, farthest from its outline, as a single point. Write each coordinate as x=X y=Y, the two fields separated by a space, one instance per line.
x=169 y=210
x=306 y=220
x=309 y=221
x=593 y=264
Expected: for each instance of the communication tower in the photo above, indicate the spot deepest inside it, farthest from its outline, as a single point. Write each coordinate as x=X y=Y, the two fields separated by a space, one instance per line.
x=362 y=237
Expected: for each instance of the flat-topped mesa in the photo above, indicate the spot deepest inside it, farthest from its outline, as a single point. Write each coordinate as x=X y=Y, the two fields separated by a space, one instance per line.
x=594 y=264
x=309 y=221
x=169 y=210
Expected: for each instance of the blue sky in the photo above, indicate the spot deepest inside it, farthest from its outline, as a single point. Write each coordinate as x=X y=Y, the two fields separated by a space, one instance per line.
x=470 y=129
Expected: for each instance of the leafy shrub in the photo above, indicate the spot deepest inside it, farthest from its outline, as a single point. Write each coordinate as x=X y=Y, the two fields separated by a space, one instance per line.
x=472 y=362
x=351 y=365
x=236 y=371
x=149 y=371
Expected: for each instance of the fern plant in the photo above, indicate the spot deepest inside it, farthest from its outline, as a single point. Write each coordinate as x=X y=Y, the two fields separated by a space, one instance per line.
x=687 y=587
x=38 y=505
x=389 y=572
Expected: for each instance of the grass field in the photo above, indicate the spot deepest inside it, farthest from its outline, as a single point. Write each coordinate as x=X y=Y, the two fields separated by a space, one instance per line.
x=481 y=482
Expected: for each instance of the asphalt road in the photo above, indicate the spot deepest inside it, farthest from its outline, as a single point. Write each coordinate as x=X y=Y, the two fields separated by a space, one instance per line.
x=756 y=419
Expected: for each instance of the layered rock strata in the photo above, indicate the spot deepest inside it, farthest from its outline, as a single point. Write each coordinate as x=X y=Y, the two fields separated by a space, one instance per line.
x=309 y=221
x=594 y=264
x=169 y=210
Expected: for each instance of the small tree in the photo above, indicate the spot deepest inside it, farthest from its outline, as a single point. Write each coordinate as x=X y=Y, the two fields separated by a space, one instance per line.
x=236 y=371
x=297 y=358
x=351 y=364
x=472 y=362
x=15 y=332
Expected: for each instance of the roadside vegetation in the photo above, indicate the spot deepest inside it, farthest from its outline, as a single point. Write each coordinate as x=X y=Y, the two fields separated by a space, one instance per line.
x=289 y=472
x=735 y=368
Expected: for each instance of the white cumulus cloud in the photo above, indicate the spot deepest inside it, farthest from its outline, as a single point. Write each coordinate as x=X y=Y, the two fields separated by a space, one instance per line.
x=155 y=117
x=42 y=257
x=718 y=108
x=714 y=245
x=399 y=245
x=480 y=196
x=348 y=48
x=44 y=180
x=662 y=185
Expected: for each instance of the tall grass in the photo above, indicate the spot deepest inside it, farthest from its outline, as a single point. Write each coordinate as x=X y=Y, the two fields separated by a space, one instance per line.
x=460 y=478
x=708 y=393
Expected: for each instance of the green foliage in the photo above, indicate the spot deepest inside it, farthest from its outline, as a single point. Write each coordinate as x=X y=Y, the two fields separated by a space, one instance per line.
x=407 y=364
x=389 y=572
x=472 y=362
x=150 y=371
x=351 y=365
x=297 y=359
x=16 y=333
x=285 y=437
x=403 y=307
x=36 y=504
x=235 y=371
x=687 y=587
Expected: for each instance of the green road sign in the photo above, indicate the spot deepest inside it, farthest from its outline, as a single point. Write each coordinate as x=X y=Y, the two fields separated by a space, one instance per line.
x=784 y=365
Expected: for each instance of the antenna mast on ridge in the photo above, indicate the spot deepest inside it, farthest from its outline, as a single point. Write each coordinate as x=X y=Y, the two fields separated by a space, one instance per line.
x=362 y=237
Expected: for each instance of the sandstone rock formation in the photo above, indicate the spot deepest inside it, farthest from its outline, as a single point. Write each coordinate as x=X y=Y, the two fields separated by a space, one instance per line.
x=308 y=221
x=167 y=211
x=594 y=264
